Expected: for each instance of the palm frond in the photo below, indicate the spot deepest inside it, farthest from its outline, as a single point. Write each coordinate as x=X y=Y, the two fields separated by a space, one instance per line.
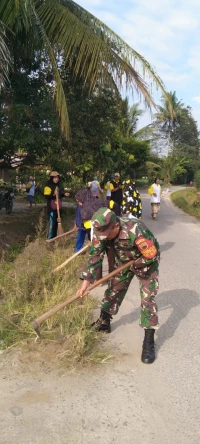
x=89 y=47
x=5 y=59
x=60 y=97
x=116 y=44
x=16 y=14
x=89 y=52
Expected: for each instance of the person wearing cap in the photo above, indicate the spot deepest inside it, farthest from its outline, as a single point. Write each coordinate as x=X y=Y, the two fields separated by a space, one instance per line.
x=131 y=240
x=116 y=189
x=50 y=190
x=131 y=203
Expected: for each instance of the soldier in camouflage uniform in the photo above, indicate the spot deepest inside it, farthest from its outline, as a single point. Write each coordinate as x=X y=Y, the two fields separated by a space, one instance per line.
x=131 y=240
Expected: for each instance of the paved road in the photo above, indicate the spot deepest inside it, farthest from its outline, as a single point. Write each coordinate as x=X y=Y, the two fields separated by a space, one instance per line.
x=126 y=401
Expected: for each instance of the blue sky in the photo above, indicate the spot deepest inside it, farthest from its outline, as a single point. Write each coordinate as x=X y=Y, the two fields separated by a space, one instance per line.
x=166 y=33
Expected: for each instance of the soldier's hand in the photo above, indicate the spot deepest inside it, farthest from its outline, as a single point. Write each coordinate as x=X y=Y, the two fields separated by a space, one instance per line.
x=82 y=289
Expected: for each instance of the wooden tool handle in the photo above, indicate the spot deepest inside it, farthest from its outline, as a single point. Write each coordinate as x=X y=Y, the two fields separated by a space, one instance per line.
x=57 y=203
x=61 y=235
x=70 y=259
x=58 y=307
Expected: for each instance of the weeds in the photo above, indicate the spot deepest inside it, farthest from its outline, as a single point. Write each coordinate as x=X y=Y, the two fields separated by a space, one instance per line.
x=28 y=289
x=188 y=200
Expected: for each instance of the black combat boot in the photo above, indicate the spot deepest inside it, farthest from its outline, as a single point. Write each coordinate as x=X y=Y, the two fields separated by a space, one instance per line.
x=148 y=352
x=103 y=323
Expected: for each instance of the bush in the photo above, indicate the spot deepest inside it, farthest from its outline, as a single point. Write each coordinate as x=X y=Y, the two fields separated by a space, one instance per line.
x=196 y=204
x=197 y=180
x=187 y=201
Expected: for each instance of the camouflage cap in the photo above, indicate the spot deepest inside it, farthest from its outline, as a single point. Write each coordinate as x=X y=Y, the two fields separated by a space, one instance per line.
x=103 y=221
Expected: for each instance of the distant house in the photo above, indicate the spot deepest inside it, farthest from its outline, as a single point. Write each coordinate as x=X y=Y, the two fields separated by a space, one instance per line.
x=15 y=162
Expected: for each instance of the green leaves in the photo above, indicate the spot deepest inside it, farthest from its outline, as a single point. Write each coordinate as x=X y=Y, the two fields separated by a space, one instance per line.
x=86 y=45
x=5 y=60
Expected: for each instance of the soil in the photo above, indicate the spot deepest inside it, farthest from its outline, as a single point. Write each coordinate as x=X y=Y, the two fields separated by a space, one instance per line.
x=22 y=223
x=30 y=358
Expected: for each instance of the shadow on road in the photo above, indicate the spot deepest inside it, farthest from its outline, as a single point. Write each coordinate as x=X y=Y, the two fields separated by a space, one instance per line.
x=181 y=301
x=166 y=246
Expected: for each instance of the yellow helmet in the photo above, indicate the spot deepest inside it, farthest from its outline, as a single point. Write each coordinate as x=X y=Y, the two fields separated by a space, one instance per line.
x=54 y=174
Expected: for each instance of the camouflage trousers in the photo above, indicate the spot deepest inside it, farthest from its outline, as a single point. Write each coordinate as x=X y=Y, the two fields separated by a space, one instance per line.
x=149 y=286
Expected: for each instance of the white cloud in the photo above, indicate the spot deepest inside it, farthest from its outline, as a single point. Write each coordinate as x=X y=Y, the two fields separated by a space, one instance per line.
x=194 y=59
x=165 y=33
x=154 y=7
x=87 y=3
x=196 y=99
x=196 y=115
x=183 y=20
x=108 y=17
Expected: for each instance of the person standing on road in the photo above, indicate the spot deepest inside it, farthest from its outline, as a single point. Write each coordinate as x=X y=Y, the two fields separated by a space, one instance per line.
x=131 y=203
x=116 y=189
x=108 y=190
x=155 y=193
x=131 y=240
x=51 y=189
x=30 y=189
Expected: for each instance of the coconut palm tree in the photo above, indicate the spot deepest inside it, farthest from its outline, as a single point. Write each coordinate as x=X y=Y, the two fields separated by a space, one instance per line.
x=91 y=49
x=168 y=116
x=130 y=118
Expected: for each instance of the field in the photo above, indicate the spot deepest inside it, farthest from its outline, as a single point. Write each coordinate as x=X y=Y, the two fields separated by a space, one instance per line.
x=28 y=289
x=188 y=200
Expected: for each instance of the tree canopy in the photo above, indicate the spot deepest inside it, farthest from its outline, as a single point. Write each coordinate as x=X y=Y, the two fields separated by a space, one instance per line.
x=71 y=35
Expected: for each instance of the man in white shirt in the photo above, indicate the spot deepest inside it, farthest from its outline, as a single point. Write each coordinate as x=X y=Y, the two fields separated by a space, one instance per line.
x=155 y=193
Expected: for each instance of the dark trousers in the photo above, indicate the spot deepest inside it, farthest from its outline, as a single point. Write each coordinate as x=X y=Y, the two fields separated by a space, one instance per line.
x=53 y=224
x=30 y=199
x=81 y=238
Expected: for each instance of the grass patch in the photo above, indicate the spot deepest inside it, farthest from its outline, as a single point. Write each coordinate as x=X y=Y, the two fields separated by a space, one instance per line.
x=27 y=289
x=142 y=183
x=19 y=227
x=188 y=200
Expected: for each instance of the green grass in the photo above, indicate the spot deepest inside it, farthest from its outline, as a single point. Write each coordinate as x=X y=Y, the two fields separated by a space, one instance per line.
x=142 y=183
x=28 y=289
x=188 y=200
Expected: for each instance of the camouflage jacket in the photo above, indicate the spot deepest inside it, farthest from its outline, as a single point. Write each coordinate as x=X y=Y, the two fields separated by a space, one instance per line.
x=124 y=249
